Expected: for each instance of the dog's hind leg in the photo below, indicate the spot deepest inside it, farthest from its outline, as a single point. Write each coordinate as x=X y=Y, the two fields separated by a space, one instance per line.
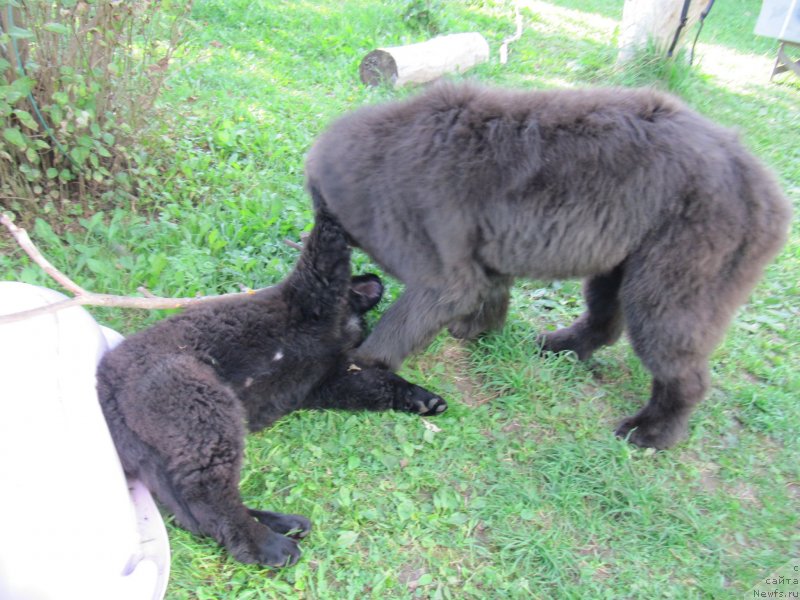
x=600 y=325
x=194 y=427
x=679 y=293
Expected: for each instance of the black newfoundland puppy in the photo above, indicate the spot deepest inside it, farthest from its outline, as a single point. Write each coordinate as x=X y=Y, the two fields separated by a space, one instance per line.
x=461 y=189
x=177 y=396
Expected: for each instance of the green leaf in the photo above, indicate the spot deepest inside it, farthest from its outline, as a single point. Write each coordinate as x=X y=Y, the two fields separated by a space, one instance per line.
x=405 y=510
x=347 y=539
x=15 y=136
x=31 y=173
x=158 y=262
x=98 y=267
x=44 y=232
x=26 y=119
x=457 y=518
x=23 y=85
x=79 y=154
x=56 y=28
x=19 y=33
x=51 y=173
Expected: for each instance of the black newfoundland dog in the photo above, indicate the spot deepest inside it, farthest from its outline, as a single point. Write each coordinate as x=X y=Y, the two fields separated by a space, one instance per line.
x=461 y=189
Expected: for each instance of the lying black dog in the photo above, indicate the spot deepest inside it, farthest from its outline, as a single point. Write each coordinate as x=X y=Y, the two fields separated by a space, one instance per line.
x=177 y=395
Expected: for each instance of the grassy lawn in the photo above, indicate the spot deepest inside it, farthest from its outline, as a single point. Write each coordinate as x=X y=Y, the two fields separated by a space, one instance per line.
x=521 y=489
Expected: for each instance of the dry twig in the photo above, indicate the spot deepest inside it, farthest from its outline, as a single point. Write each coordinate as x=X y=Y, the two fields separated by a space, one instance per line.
x=512 y=38
x=86 y=298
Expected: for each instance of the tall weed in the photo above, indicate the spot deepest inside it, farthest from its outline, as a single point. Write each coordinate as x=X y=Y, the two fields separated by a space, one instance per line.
x=78 y=80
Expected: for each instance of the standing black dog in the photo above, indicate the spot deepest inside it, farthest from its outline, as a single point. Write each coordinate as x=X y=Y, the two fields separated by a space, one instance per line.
x=177 y=395
x=461 y=189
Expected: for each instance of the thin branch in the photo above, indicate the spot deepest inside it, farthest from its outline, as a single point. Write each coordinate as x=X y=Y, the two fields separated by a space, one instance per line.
x=292 y=244
x=41 y=310
x=511 y=38
x=87 y=298
x=145 y=292
x=30 y=249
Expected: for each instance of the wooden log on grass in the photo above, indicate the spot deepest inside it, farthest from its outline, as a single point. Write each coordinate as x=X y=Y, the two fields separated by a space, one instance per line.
x=423 y=62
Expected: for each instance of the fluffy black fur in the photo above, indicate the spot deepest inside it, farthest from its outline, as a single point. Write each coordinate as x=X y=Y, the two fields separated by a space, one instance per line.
x=177 y=395
x=462 y=188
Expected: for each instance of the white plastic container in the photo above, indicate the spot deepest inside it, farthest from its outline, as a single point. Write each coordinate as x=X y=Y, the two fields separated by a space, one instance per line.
x=71 y=525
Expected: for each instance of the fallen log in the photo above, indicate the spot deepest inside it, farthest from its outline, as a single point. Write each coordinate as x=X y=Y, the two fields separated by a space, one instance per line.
x=423 y=62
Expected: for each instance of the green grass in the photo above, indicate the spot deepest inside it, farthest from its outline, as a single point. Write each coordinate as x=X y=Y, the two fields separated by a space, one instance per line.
x=523 y=491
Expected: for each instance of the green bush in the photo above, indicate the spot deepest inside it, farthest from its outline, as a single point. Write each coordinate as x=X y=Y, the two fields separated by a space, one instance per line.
x=78 y=80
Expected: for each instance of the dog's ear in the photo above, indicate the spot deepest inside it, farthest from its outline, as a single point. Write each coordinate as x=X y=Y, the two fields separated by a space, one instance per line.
x=365 y=292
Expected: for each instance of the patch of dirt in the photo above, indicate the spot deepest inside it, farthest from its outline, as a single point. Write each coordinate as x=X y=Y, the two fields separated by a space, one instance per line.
x=409 y=575
x=454 y=357
x=594 y=554
x=752 y=377
x=709 y=471
x=480 y=532
x=794 y=490
x=709 y=480
x=744 y=492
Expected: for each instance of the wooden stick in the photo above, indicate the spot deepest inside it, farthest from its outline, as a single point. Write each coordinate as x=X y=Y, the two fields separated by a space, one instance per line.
x=292 y=244
x=512 y=38
x=30 y=249
x=86 y=298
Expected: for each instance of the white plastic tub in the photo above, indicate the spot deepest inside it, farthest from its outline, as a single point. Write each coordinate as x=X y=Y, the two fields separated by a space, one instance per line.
x=71 y=525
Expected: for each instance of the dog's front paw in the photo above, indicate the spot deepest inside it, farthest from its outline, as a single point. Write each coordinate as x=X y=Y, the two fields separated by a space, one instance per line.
x=419 y=400
x=295 y=526
x=279 y=551
x=651 y=434
x=264 y=546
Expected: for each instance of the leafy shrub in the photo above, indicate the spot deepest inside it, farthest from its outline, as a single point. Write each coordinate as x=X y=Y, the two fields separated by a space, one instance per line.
x=78 y=80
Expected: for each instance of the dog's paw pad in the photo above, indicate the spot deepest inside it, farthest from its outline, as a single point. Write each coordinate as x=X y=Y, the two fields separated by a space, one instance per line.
x=431 y=406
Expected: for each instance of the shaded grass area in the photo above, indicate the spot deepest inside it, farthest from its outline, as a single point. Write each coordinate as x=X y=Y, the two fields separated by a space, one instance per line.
x=522 y=491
